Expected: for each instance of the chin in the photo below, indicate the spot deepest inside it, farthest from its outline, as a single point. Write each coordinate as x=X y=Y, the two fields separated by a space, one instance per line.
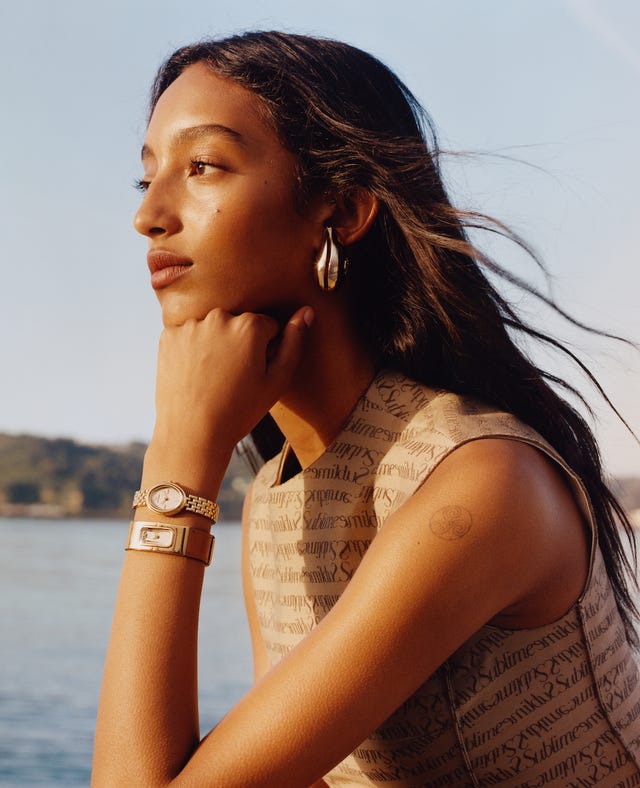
x=176 y=311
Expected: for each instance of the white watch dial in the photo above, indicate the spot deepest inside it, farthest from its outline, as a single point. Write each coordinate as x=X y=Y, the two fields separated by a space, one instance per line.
x=165 y=498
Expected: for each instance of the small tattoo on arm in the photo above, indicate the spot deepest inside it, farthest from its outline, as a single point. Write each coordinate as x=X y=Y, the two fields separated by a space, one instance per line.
x=451 y=522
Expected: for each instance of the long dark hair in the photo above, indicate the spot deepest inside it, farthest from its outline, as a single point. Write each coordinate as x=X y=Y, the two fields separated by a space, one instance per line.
x=418 y=287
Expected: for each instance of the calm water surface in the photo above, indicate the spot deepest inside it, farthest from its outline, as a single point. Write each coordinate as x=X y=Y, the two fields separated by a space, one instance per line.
x=57 y=590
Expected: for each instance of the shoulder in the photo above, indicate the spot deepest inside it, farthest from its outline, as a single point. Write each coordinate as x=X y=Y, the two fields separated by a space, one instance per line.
x=519 y=502
x=507 y=470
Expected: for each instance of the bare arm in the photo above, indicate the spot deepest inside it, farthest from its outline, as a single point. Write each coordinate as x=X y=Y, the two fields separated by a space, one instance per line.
x=466 y=547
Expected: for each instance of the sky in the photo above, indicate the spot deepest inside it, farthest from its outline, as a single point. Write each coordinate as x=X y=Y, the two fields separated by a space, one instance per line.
x=540 y=95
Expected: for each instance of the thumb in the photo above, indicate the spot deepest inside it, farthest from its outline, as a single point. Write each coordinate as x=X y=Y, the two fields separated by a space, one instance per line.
x=287 y=356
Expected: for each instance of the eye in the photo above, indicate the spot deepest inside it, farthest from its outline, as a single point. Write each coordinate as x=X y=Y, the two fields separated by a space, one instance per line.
x=140 y=185
x=203 y=167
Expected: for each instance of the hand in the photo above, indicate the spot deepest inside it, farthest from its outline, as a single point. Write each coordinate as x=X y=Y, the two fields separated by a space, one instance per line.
x=217 y=377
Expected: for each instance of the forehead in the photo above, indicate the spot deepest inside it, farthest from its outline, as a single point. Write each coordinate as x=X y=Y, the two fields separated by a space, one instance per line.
x=199 y=97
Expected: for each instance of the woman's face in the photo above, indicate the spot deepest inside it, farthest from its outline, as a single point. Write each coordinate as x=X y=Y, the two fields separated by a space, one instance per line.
x=219 y=206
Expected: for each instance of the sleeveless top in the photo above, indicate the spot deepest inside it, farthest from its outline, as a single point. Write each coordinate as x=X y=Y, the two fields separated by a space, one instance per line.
x=555 y=705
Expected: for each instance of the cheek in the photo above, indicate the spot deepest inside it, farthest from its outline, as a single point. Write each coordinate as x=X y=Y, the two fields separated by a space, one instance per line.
x=266 y=226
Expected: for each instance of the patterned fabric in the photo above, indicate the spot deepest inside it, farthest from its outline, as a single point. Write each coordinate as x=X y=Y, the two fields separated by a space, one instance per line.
x=555 y=705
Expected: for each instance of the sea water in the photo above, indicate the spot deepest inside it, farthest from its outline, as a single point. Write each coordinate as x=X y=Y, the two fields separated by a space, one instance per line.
x=58 y=582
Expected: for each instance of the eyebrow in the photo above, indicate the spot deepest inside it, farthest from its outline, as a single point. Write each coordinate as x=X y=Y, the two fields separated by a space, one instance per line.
x=198 y=132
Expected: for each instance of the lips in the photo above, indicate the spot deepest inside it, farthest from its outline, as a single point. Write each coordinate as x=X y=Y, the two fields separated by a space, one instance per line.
x=166 y=267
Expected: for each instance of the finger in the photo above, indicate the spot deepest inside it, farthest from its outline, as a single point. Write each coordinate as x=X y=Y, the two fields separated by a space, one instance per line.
x=262 y=327
x=287 y=355
x=261 y=335
x=254 y=324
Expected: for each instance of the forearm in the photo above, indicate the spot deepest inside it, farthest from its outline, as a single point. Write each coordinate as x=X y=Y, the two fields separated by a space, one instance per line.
x=216 y=379
x=148 y=716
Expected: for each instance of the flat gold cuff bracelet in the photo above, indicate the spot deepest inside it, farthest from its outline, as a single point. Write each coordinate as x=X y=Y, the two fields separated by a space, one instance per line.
x=171 y=539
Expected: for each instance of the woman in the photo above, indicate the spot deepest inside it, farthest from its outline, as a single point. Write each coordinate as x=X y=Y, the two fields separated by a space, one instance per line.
x=309 y=265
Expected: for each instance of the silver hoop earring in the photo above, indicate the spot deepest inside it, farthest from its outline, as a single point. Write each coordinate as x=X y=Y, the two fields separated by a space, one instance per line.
x=331 y=264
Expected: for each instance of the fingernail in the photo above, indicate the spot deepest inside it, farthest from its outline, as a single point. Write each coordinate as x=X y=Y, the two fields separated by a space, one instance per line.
x=308 y=316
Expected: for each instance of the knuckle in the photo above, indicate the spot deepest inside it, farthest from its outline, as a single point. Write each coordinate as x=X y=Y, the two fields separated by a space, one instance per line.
x=216 y=314
x=248 y=322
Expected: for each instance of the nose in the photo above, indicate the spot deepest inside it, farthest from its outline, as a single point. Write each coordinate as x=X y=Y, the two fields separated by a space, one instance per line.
x=157 y=214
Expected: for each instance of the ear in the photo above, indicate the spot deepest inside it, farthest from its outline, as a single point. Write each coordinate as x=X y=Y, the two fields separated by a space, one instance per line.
x=353 y=215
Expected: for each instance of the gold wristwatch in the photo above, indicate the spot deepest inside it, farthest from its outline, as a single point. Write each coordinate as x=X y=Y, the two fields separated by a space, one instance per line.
x=169 y=498
x=177 y=540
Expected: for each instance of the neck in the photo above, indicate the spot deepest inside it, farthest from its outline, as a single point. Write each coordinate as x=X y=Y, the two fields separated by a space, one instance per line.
x=333 y=374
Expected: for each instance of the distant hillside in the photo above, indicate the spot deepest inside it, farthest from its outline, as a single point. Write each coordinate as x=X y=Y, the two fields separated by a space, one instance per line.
x=59 y=478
